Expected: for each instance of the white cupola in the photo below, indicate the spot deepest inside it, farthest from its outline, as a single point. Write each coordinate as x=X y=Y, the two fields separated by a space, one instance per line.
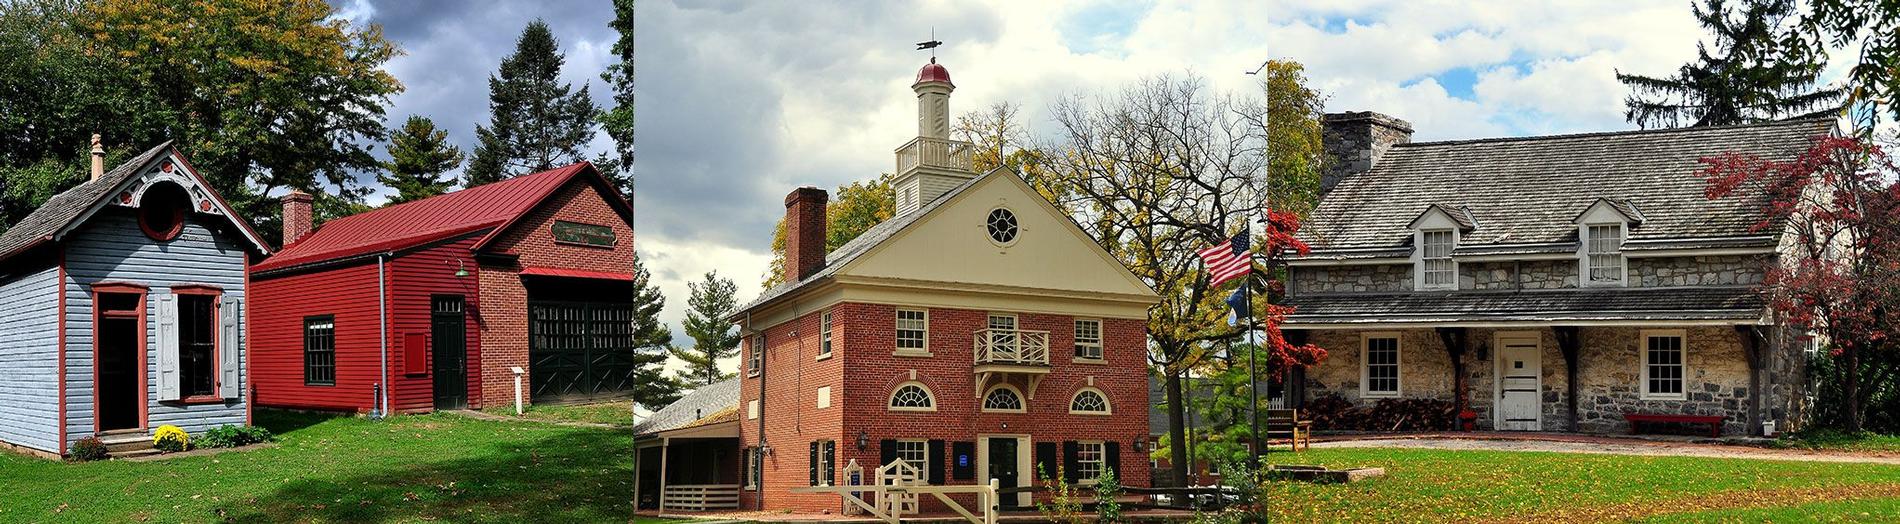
x=931 y=164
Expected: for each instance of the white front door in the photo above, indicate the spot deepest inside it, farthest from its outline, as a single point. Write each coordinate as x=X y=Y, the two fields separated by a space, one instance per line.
x=1520 y=372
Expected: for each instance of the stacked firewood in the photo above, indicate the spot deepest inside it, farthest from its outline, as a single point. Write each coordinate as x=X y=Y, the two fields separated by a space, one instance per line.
x=1393 y=414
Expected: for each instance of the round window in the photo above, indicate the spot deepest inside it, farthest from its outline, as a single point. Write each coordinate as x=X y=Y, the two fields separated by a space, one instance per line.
x=162 y=211
x=1002 y=226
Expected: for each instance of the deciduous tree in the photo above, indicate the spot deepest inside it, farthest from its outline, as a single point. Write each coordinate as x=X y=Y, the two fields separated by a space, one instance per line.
x=714 y=338
x=859 y=206
x=1295 y=154
x=536 y=122
x=420 y=156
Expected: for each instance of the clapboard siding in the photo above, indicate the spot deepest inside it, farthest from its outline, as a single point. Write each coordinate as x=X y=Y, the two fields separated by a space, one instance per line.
x=29 y=359
x=349 y=295
x=415 y=279
x=110 y=247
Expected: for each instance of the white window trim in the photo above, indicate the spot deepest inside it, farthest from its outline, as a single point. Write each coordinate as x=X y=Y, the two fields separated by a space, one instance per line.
x=752 y=409
x=826 y=345
x=1642 y=352
x=1085 y=479
x=1108 y=408
x=755 y=358
x=984 y=404
x=910 y=352
x=900 y=387
x=752 y=469
x=1013 y=320
x=923 y=445
x=1583 y=256
x=1100 y=341
x=1365 y=366
x=1418 y=261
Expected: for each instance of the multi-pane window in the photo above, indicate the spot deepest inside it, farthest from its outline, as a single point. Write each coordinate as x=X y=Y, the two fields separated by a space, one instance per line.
x=319 y=351
x=197 y=345
x=1604 y=254
x=753 y=468
x=913 y=397
x=1002 y=399
x=1003 y=331
x=824 y=462
x=824 y=333
x=1662 y=366
x=755 y=355
x=1088 y=339
x=1088 y=401
x=1089 y=458
x=914 y=452
x=912 y=329
x=1435 y=253
x=1381 y=366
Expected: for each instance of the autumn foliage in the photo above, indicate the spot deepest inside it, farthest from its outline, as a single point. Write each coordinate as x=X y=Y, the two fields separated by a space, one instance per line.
x=1278 y=241
x=1837 y=209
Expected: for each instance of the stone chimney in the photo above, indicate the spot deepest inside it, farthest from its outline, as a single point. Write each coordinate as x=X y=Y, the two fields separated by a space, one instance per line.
x=297 y=216
x=98 y=157
x=804 y=232
x=1356 y=141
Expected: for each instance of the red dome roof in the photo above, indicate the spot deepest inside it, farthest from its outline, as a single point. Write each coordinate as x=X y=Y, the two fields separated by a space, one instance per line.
x=933 y=72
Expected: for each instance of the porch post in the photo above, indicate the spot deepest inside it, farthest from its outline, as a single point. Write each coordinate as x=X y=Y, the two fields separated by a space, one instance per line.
x=1295 y=381
x=1570 y=343
x=1751 y=351
x=1454 y=340
x=666 y=444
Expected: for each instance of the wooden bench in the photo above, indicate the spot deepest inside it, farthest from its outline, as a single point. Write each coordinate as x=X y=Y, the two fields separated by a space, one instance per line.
x=1286 y=423
x=1714 y=421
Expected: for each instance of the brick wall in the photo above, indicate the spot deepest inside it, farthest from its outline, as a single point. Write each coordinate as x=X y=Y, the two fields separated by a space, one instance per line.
x=864 y=371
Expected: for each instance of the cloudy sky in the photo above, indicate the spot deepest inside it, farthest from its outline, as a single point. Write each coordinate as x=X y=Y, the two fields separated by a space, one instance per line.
x=742 y=101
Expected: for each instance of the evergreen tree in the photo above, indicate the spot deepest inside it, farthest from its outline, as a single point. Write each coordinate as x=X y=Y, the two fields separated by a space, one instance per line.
x=1756 y=78
x=420 y=154
x=536 y=122
x=618 y=122
x=651 y=338
x=714 y=338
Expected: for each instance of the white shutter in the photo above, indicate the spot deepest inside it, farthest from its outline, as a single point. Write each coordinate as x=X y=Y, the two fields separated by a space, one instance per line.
x=230 y=341
x=167 y=346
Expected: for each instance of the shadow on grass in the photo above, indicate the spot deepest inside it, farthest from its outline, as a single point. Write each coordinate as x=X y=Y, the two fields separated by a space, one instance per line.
x=281 y=422
x=580 y=475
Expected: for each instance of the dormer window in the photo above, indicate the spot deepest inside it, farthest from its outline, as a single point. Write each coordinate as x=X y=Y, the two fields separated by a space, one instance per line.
x=1436 y=270
x=1603 y=263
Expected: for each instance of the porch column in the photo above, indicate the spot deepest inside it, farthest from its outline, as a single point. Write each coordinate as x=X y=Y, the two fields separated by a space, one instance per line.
x=1569 y=342
x=1295 y=381
x=666 y=444
x=1454 y=341
x=1751 y=351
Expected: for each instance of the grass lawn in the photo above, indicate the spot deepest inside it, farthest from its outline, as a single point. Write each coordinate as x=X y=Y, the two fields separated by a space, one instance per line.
x=440 y=467
x=617 y=413
x=1468 y=486
x=1831 y=440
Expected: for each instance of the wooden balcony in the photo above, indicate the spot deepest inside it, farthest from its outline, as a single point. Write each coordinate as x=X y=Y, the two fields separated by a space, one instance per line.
x=925 y=152
x=1010 y=355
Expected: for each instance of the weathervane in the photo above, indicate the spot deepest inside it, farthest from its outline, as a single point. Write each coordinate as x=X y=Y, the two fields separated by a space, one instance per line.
x=931 y=45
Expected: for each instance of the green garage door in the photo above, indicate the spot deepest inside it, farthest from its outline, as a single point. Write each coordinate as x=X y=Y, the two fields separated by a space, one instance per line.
x=579 y=350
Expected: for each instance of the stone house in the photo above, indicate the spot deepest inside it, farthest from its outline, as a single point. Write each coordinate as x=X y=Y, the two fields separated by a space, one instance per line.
x=1549 y=283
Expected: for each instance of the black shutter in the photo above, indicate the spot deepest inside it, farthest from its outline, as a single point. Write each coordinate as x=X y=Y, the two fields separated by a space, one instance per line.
x=935 y=456
x=831 y=461
x=886 y=453
x=1071 y=461
x=814 y=463
x=1112 y=457
x=1046 y=461
x=963 y=460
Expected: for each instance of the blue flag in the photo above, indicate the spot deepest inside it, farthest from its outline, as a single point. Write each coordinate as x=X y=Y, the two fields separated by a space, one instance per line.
x=1238 y=301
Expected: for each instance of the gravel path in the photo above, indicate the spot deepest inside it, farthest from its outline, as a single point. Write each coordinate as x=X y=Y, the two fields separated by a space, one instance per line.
x=1610 y=447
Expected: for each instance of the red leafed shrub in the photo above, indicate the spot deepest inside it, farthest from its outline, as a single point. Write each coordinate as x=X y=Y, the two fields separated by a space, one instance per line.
x=1392 y=414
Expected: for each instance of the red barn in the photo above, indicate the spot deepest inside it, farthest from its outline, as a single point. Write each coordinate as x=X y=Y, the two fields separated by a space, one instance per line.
x=438 y=301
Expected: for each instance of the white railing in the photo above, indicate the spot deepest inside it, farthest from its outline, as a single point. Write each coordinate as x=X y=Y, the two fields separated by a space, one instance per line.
x=1012 y=346
x=935 y=152
x=700 y=497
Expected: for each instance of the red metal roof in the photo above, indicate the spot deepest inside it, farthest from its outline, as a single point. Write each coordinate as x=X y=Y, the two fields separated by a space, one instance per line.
x=933 y=72
x=576 y=273
x=422 y=221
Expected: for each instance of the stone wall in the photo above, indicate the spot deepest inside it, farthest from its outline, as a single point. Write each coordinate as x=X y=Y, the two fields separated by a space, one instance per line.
x=1527 y=274
x=1609 y=375
x=1725 y=270
x=1352 y=279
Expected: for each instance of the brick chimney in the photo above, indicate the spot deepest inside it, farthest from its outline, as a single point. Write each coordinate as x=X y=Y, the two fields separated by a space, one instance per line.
x=804 y=232
x=98 y=157
x=297 y=219
x=1356 y=141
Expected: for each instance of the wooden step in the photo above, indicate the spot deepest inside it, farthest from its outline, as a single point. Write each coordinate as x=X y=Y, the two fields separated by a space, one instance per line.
x=132 y=453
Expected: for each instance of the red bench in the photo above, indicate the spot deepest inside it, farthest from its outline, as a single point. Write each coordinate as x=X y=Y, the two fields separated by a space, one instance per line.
x=1714 y=421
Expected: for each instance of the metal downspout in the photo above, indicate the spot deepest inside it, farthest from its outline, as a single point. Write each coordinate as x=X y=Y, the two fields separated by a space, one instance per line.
x=760 y=484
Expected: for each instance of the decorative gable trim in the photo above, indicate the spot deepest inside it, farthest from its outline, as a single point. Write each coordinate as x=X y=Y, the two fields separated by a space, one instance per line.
x=169 y=167
x=1460 y=215
x=1623 y=208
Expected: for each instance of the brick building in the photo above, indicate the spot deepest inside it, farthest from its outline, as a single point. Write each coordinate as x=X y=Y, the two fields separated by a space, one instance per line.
x=434 y=304
x=977 y=334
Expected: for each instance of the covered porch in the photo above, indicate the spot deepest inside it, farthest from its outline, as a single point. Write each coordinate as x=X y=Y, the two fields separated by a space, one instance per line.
x=691 y=469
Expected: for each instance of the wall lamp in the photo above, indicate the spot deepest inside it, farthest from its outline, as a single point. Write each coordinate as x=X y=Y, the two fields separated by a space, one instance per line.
x=864 y=440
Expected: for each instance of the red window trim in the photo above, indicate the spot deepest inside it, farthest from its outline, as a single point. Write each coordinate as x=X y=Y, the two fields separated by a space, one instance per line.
x=178 y=226
x=197 y=289
x=119 y=287
x=145 y=399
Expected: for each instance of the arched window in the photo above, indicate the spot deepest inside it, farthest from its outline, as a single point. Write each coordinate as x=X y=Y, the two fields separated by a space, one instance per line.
x=913 y=396
x=1089 y=401
x=1003 y=398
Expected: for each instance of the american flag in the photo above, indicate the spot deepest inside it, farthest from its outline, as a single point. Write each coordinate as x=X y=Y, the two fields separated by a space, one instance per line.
x=1228 y=260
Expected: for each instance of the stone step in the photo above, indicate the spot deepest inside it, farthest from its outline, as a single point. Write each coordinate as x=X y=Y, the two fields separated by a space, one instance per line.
x=132 y=453
x=131 y=445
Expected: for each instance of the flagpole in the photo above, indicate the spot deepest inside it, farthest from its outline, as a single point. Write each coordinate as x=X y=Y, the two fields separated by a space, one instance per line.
x=1253 y=371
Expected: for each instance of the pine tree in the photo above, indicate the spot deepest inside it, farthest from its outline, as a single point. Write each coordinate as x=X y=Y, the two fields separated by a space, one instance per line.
x=536 y=122
x=714 y=338
x=651 y=338
x=618 y=122
x=1757 y=77
x=419 y=156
